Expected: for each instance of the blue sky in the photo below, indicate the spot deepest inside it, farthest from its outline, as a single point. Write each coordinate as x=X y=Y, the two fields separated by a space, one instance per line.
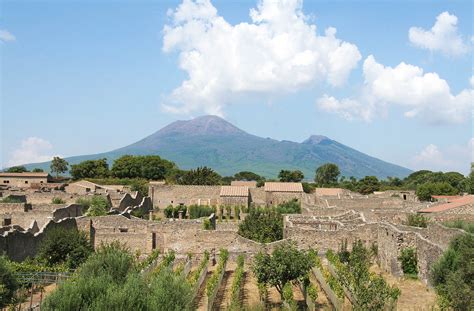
x=81 y=77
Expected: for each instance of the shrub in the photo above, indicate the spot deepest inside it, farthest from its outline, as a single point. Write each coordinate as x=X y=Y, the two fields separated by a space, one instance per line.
x=427 y=190
x=8 y=283
x=290 y=207
x=195 y=275
x=11 y=200
x=461 y=224
x=417 y=220
x=98 y=206
x=68 y=246
x=198 y=211
x=409 y=261
x=262 y=225
x=173 y=211
x=453 y=276
x=57 y=201
x=206 y=224
x=211 y=285
x=288 y=295
x=235 y=302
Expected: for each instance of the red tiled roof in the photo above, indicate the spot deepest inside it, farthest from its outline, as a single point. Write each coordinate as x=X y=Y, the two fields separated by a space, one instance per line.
x=283 y=187
x=234 y=191
x=461 y=201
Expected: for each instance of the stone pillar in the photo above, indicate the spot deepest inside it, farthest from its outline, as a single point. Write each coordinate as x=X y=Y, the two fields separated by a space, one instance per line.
x=180 y=214
x=150 y=215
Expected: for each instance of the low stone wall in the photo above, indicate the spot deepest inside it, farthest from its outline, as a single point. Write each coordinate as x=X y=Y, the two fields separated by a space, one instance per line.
x=429 y=243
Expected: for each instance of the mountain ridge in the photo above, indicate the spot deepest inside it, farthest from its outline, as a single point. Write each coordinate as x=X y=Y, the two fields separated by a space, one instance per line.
x=214 y=142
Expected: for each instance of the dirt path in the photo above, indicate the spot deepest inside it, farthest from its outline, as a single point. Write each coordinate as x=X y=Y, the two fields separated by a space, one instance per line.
x=274 y=299
x=200 y=303
x=250 y=295
x=223 y=294
x=415 y=295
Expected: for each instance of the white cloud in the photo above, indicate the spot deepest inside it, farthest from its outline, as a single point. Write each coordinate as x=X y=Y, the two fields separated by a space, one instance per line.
x=279 y=51
x=442 y=37
x=6 y=36
x=422 y=95
x=452 y=158
x=31 y=150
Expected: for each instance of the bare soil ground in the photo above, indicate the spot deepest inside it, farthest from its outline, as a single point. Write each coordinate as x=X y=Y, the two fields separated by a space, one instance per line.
x=415 y=295
x=250 y=293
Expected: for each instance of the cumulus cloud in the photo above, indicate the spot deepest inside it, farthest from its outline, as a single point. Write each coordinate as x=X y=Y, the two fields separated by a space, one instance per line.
x=31 y=150
x=422 y=95
x=6 y=36
x=442 y=37
x=452 y=158
x=278 y=51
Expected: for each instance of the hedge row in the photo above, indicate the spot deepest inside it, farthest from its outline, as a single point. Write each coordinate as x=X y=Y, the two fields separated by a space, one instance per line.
x=213 y=282
x=194 y=277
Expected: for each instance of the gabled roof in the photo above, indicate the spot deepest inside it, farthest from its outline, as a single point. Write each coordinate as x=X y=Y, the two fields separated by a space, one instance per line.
x=458 y=202
x=250 y=184
x=283 y=187
x=234 y=191
x=25 y=174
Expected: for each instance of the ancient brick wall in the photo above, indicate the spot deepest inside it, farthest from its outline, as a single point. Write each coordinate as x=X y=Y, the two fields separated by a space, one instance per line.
x=164 y=195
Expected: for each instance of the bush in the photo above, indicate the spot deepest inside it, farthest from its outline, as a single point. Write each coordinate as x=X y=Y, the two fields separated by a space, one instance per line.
x=57 y=201
x=11 y=200
x=98 y=206
x=427 y=190
x=195 y=275
x=262 y=225
x=409 y=261
x=198 y=211
x=290 y=207
x=64 y=246
x=453 y=274
x=417 y=220
x=206 y=224
x=173 y=211
x=461 y=224
x=8 y=283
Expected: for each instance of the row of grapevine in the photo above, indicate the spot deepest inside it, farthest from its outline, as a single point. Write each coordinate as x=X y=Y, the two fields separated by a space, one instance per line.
x=236 y=289
x=215 y=280
x=329 y=284
x=197 y=277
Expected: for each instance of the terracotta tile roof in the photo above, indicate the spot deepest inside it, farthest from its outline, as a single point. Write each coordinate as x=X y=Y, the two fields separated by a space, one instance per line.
x=250 y=184
x=283 y=187
x=328 y=191
x=461 y=201
x=25 y=174
x=234 y=191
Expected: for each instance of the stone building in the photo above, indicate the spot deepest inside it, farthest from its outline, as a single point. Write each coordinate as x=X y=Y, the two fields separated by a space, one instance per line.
x=280 y=192
x=24 y=180
x=235 y=196
x=163 y=195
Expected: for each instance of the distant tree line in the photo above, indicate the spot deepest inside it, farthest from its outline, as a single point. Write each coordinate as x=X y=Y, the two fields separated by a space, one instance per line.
x=137 y=170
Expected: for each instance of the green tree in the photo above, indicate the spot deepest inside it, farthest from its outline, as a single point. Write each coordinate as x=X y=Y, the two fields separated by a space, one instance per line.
x=470 y=181
x=17 y=169
x=150 y=167
x=427 y=190
x=285 y=264
x=98 y=206
x=59 y=166
x=90 y=169
x=8 y=283
x=262 y=225
x=200 y=176
x=409 y=261
x=248 y=176
x=61 y=245
x=368 y=185
x=453 y=274
x=290 y=176
x=327 y=174
x=169 y=292
x=37 y=170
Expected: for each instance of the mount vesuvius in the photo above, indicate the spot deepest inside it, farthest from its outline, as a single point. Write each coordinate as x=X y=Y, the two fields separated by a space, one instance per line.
x=211 y=141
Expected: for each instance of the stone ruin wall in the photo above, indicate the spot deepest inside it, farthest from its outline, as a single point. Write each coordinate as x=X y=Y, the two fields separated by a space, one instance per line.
x=164 y=195
x=429 y=243
x=18 y=245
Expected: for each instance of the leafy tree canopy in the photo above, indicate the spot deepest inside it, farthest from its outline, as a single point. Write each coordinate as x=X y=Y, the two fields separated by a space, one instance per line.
x=37 y=170
x=290 y=176
x=150 y=167
x=59 y=166
x=64 y=246
x=327 y=174
x=200 y=176
x=285 y=264
x=17 y=169
x=8 y=283
x=90 y=169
